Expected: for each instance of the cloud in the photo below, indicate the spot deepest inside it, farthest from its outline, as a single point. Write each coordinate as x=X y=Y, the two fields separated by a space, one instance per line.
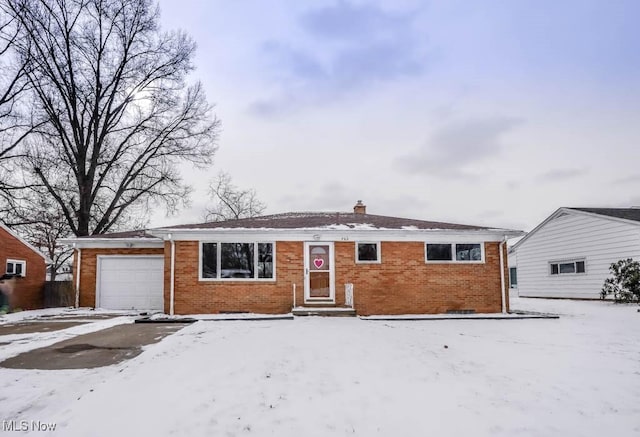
x=457 y=145
x=346 y=21
x=632 y=179
x=347 y=49
x=562 y=174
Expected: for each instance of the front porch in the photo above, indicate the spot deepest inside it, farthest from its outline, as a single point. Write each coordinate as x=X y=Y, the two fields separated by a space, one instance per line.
x=325 y=311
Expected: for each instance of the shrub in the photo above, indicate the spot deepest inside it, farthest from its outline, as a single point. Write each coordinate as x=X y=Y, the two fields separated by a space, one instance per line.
x=624 y=284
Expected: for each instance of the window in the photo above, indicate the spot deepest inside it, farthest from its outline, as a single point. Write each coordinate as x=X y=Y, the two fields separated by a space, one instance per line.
x=567 y=267
x=468 y=252
x=234 y=261
x=439 y=252
x=367 y=253
x=16 y=267
x=513 y=277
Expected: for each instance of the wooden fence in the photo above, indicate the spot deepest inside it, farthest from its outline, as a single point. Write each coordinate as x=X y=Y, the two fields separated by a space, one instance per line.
x=59 y=294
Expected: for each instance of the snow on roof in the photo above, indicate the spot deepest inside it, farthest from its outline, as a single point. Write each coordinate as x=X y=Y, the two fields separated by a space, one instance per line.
x=327 y=220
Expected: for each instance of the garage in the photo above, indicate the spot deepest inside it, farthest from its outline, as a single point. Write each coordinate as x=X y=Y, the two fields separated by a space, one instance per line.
x=130 y=282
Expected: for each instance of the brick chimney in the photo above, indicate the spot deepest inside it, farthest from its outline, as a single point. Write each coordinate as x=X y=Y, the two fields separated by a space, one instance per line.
x=360 y=208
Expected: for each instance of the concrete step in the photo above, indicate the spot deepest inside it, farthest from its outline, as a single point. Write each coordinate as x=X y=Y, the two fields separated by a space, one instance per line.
x=324 y=311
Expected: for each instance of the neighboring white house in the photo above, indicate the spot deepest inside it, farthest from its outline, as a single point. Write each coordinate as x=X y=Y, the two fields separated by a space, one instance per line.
x=568 y=255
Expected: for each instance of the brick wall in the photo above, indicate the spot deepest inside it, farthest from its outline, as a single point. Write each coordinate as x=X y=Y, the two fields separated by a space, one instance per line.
x=402 y=284
x=204 y=297
x=89 y=260
x=27 y=291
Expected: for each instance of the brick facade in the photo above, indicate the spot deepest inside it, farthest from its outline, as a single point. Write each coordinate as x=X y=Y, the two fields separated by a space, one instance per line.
x=404 y=284
x=401 y=284
x=27 y=291
x=202 y=297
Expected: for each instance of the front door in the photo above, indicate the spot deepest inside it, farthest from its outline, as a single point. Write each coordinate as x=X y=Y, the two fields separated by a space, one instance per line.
x=318 y=273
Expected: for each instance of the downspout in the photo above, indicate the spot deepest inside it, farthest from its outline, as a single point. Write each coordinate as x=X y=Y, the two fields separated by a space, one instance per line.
x=173 y=271
x=78 y=264
x=503 y=243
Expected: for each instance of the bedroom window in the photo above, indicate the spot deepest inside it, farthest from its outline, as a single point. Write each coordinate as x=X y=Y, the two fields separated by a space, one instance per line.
x=16 y=267
x=367 y=253
x=567 y=267
x=236 y=261
x=454 y=252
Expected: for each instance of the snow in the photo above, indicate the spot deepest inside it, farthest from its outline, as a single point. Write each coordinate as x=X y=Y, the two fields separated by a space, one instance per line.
x=317 y=376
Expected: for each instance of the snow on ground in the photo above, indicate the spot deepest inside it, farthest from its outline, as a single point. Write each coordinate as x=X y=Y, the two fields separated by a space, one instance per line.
x=575 y=376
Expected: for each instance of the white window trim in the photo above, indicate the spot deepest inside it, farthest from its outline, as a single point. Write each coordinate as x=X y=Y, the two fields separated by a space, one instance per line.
x=219 y=260
x=378 y=252
x=567 y=261
x=17 y=261
x=453 y=254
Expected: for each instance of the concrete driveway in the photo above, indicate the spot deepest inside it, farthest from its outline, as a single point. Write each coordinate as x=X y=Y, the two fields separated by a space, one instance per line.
x=101 y=348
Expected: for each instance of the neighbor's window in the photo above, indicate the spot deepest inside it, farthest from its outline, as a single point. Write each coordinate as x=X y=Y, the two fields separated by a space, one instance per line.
x=564 y=267
x=454 y=252
x=16 y=267
x=367 y=252
x=236 y=261
x=513 y=277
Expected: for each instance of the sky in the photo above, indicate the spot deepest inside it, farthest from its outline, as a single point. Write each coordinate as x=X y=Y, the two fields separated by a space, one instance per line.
x=490 y=113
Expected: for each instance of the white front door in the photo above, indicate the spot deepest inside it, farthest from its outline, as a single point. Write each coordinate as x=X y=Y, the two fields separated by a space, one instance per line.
x=319 y=273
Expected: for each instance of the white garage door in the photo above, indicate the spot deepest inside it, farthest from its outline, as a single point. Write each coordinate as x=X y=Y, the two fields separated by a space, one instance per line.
x=130 y=282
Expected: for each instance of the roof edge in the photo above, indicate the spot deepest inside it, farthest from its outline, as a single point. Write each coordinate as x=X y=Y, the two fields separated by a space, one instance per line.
x=570 y=210
x=26 y=243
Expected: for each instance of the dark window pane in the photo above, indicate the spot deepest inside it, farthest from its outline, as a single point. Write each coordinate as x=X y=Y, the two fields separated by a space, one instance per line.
x=579 y=266
x=367 y=252
x=18 y=269
x=265 y=260
x=567 y=268
x=236 y=260
x=554 y=269
x=209 y=260
x=468 y=252
x=513 y=276
x=9 y=268
x=439 y=252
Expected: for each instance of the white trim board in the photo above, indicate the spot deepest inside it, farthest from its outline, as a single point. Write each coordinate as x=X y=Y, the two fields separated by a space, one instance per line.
x=565 y=210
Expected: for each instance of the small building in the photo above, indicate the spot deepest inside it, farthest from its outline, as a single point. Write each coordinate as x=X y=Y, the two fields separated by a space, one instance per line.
x=24 y=271
x=568 y=255
x=270 y=264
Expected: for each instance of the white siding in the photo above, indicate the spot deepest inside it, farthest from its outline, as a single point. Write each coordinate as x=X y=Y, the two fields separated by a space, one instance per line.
x=599 y=241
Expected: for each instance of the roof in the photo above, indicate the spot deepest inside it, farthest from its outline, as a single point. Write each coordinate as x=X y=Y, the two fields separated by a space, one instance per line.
x=295 y=226
x=623 y=213
x=327 y=220
x=630 y=215
x=24 y=242
x=142 y=233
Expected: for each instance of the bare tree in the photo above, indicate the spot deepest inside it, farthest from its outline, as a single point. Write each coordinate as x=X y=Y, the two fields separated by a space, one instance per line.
x=41 y=222
x=13 y=126
x=114 y=113
x=231 y=202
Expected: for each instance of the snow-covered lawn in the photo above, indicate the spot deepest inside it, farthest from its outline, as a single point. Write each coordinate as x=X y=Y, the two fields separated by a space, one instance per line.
x=575 y=376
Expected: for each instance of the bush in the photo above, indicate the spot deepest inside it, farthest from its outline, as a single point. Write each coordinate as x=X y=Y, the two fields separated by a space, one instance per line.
x=624 y=284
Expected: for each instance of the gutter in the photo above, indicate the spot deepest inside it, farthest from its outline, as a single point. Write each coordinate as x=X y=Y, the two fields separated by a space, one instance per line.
x=78 y=264
x=503 y=244
x=173 y=273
